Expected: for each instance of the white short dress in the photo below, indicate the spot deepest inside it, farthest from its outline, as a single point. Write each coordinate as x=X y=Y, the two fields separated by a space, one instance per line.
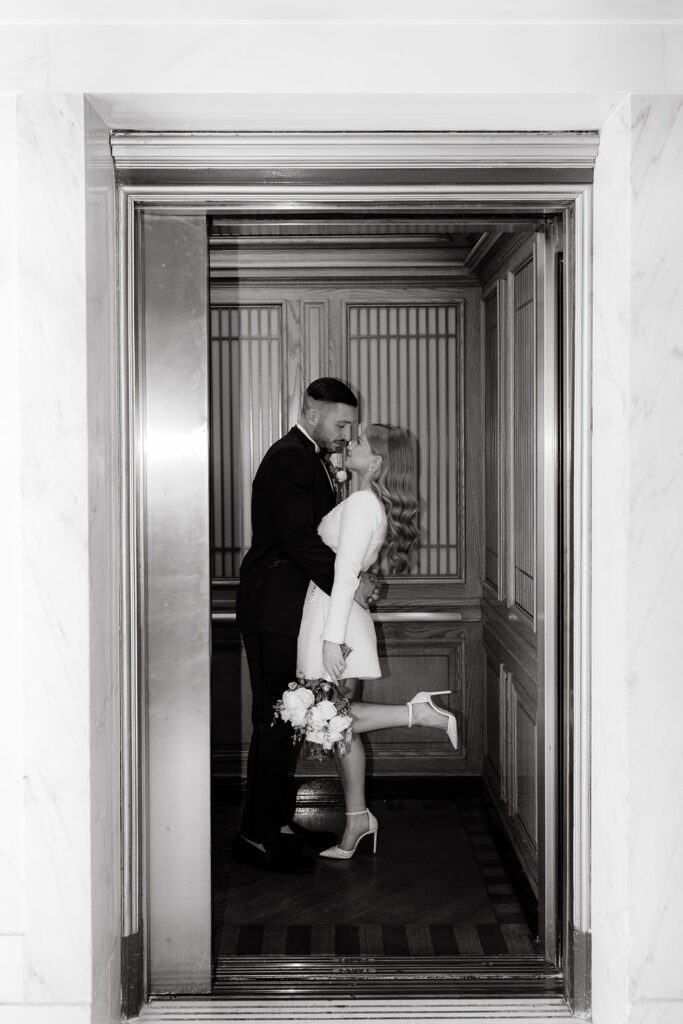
x=355 y=529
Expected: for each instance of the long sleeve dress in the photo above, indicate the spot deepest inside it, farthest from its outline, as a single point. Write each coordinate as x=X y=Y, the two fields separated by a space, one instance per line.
x=355 y=529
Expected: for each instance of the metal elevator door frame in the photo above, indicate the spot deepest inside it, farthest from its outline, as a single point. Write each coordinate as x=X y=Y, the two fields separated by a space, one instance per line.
x=190 y=202
x=175 y=601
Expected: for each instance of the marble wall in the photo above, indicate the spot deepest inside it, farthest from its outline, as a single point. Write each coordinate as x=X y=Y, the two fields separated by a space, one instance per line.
x=655 y=561
x=610 y=503
x=11 y=719
x=55 y=569
x=638 y=565
x=104 y=565
x=59 y=915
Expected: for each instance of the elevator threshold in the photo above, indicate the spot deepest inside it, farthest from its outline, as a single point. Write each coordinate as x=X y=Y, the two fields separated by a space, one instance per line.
x=384 y=977
x=378 y=1011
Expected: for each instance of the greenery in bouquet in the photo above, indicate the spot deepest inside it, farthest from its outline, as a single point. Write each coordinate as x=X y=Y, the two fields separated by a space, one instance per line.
x=317 y=711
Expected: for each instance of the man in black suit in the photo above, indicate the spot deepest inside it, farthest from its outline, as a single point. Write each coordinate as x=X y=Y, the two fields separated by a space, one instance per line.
x=292 y=491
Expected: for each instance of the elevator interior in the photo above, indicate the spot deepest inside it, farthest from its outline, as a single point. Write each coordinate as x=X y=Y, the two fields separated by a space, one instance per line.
x=443 y=325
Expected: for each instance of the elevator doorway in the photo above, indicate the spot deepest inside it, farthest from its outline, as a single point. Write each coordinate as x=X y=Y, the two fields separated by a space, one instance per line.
x=461 y=333
x=538 y=229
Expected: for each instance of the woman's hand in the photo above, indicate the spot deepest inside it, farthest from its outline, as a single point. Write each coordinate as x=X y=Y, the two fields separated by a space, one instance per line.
x=333 y=659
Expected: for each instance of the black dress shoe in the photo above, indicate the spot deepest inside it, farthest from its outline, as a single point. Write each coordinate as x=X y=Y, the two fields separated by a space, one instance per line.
x=300 y=836
x=276 y=858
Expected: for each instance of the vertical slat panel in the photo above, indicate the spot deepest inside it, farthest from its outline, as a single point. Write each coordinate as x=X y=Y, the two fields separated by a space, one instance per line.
x=425 y=441
x=455 y=441
x=246 y=417
x=406 y=360
x=430 y=352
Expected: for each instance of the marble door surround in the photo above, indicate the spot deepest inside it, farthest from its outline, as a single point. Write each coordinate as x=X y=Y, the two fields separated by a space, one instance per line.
x=526 y=176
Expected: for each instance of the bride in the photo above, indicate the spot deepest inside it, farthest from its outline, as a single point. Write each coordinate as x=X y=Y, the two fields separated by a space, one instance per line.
x=381 y=515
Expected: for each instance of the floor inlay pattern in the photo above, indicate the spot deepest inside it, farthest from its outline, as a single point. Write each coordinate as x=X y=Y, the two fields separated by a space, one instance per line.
x=437 y=887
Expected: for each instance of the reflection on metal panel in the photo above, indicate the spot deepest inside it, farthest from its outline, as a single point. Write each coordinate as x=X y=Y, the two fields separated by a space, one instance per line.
x=246 y=418
x=174 y=374
x=407 y=362
x=524 y=433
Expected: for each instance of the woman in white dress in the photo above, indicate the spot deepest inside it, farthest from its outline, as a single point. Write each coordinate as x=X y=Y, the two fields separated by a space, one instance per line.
x=380 y=514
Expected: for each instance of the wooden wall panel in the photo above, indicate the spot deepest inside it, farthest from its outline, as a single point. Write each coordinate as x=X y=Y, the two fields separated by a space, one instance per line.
x=524 y=438
x=510 y=642
x=493 y=507
x=494 y=732
x=315 y=341
x=524 y=805
x=427 y=656
x=438 y=351
x=418 y=657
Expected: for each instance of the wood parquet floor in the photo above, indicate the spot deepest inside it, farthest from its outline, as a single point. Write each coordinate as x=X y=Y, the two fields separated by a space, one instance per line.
x=436 y=887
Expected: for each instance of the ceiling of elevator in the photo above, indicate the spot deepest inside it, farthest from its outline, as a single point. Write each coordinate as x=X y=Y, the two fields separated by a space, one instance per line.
x=255 y=246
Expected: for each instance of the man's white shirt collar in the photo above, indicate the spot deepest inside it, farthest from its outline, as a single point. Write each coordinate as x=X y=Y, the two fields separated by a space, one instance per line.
x=306 y=434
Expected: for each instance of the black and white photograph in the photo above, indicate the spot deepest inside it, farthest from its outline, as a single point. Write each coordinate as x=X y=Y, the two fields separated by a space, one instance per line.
x=342 y=463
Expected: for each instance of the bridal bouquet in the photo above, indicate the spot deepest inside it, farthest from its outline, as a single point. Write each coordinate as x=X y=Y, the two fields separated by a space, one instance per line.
x=317 y=711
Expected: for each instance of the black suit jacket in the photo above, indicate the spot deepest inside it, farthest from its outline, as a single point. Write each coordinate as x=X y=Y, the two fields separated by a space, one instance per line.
x=290 y=495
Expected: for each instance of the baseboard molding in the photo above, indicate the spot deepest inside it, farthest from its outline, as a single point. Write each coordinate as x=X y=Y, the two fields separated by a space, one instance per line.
x=579 y=973
x=132 y=974
x=327 y=792
x=229 y=761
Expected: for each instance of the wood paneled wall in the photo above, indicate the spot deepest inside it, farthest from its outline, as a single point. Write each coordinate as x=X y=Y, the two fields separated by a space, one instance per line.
x=414 y=354
x=509 y=593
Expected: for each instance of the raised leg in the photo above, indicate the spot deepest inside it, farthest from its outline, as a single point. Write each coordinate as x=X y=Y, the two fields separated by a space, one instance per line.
x=369 y=717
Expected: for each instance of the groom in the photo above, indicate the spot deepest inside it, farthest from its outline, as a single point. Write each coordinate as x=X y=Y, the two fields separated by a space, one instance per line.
x=291 y=493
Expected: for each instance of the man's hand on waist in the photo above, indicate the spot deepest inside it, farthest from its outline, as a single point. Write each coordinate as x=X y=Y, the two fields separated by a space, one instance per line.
x=367 y=590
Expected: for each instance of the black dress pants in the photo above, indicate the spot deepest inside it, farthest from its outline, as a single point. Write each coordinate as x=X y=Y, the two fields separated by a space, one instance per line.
x=272 y=665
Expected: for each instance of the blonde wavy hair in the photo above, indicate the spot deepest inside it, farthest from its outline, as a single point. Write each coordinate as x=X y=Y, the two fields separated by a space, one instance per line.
x=395 y=485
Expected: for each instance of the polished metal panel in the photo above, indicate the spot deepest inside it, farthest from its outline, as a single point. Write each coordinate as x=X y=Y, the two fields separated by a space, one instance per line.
x=547 y=582
x=173 y=371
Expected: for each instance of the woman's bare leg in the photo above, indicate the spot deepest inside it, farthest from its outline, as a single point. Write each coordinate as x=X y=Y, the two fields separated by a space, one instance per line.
x=351 y=765
x=351 y=768
x=368 y=717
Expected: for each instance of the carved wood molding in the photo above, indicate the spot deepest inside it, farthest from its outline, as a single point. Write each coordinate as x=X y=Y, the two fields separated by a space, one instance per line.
x=328 y=150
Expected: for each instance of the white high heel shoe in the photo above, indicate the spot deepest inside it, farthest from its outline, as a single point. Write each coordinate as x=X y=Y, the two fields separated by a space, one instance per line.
x=426 y=698
x=337 y=853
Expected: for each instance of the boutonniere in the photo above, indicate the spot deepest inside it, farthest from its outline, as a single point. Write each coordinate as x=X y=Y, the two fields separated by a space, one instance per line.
x=337 y=476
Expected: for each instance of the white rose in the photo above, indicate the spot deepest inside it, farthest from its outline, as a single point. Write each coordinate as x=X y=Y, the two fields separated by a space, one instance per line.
x=322 y=713
x=317 y=736
x=295 y=705
x=342 y=476
x=338 y=726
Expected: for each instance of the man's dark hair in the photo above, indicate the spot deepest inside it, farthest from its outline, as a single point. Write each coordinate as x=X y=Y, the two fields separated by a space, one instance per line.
x=329 y=389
